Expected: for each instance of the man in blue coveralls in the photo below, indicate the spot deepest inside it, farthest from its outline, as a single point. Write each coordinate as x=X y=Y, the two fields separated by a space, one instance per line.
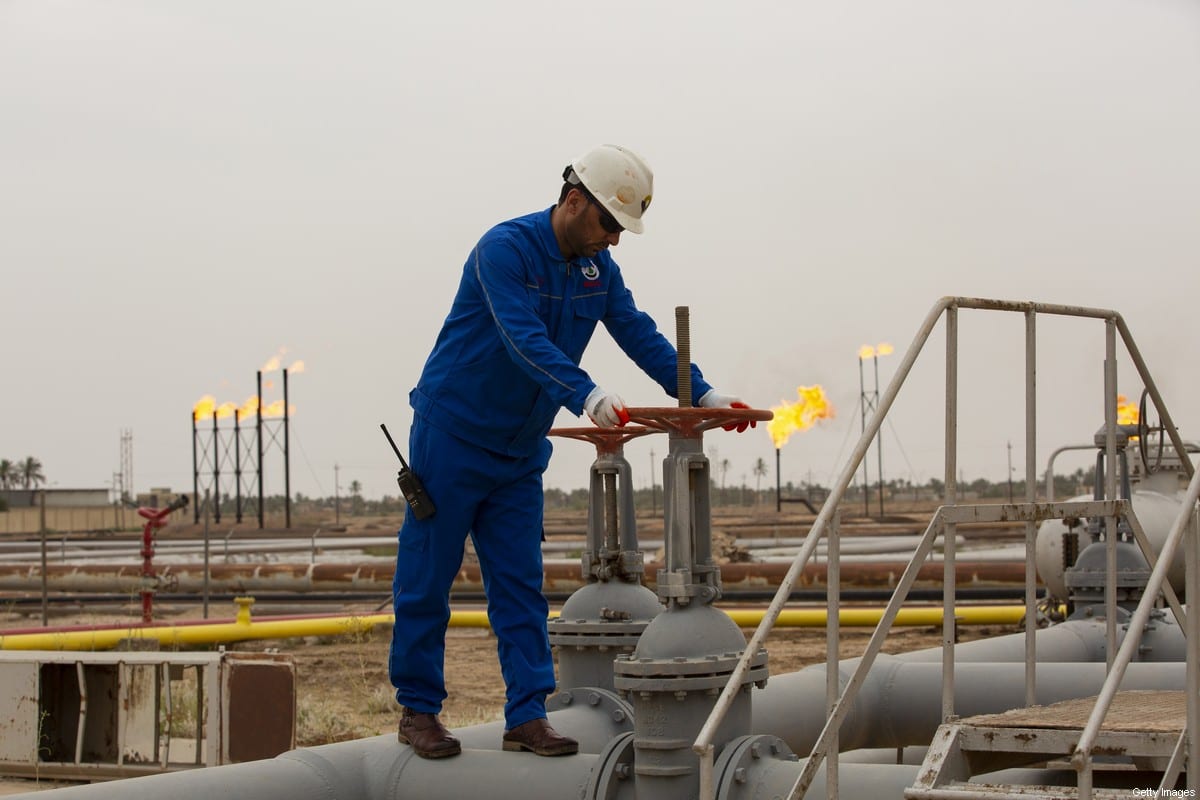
x=506 y=360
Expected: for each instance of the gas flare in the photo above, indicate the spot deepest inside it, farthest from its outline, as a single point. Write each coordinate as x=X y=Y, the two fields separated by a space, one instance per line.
x=275 y=409
x=1127 y=412
x=801 y=415
x=881 y=349
x=206 y=406
x=276 y=361
x=248 y=408
x=203 y=409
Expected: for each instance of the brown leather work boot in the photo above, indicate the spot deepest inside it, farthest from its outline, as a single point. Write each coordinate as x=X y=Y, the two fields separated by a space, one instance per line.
x=538 y=737
x=427 y=736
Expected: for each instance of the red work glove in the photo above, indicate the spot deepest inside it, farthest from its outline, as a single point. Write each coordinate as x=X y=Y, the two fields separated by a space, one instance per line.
x=605 y=409
x=714 y=399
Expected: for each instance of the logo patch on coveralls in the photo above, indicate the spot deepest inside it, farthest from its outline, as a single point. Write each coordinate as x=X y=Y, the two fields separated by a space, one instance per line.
x=590 y=271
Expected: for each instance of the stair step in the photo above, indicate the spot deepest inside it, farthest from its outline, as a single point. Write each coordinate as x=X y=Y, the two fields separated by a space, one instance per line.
x=958 y=790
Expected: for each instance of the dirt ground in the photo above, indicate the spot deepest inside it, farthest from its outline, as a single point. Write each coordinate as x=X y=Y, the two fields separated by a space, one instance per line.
x=343 y=691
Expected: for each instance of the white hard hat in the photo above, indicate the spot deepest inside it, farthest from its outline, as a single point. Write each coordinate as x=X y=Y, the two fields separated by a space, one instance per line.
x=619 y=180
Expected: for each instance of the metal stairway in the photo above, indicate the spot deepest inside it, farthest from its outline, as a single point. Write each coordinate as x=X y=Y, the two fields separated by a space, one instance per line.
x=1143 y=731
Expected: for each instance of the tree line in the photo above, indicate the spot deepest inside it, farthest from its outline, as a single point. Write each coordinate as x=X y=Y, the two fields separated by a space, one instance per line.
x=24 y=474
x=725 y=494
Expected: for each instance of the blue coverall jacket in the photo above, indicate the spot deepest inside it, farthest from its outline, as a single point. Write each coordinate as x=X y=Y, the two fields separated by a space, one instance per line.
x=506 y=360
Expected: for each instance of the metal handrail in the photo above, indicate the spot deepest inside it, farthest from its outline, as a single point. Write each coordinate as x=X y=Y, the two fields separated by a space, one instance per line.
x=703 y=745
x=1081 y=757
x=1031 y=513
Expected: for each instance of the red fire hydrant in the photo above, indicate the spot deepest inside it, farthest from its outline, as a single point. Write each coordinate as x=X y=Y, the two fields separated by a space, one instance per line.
x=155 y=518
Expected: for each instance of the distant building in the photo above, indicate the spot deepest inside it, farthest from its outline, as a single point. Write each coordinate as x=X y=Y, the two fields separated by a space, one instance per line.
x=158 y=497
x=78 y=510
x=55 y=498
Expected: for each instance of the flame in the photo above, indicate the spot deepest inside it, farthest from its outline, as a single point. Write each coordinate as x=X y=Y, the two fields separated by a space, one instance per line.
x=248 y=408
x=881 y=349
x=203 y=409
x=206 y=406
x=275 y=409
x=276 y=361
x=1127 y=412
x=802 y=415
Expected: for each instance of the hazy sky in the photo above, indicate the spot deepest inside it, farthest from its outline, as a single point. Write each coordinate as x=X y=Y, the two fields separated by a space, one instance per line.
x=189 y=188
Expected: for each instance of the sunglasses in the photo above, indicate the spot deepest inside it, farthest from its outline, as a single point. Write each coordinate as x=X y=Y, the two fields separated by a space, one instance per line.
x=607 y=221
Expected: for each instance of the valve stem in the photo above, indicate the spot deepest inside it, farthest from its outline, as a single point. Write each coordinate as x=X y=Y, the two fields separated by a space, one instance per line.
x=683 y=357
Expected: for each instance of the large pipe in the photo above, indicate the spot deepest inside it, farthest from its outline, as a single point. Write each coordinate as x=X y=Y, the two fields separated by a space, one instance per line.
x=377 y=576
x=320 y=603
x=378 y=768
x=89 y=549
x=368 y=768
x=898 y=704
x=243 y=628
x=1071 y=641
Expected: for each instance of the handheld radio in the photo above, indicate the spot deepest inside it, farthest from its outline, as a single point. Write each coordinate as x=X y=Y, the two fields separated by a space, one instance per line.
x=410 y=485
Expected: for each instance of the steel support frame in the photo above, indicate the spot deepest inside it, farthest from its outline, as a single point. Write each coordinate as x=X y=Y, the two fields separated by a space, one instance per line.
x=949 y=306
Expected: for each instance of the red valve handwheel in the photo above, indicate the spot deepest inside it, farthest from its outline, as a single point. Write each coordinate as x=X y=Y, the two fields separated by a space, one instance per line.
x=686 y=422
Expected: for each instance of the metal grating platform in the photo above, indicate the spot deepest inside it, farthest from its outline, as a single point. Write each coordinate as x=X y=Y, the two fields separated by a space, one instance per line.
x=1150 y=711
x=1142 y=730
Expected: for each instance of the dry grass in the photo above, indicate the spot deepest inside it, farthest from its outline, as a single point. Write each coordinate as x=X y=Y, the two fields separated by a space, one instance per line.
x=344 y=692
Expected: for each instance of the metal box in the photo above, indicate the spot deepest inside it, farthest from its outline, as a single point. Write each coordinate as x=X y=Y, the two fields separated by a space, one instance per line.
x=117 y=714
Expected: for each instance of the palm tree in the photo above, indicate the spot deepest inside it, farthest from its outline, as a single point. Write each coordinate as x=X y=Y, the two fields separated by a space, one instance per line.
x=760 y=469
x=8 y=473
x=30 y=472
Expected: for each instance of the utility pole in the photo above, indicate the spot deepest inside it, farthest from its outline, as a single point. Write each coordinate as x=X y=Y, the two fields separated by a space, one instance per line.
x=337 y=506
x=653 y=490
x=1010 y=471
x=778 y=484
x=863 y=405
x=879 y=434
x=45 y=586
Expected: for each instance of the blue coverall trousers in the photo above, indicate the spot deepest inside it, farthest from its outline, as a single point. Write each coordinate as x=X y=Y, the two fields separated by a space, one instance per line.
x=498 y=501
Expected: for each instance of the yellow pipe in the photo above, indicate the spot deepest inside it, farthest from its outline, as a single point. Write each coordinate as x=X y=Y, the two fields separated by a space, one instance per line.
x=243 y=628
x=870 y=617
